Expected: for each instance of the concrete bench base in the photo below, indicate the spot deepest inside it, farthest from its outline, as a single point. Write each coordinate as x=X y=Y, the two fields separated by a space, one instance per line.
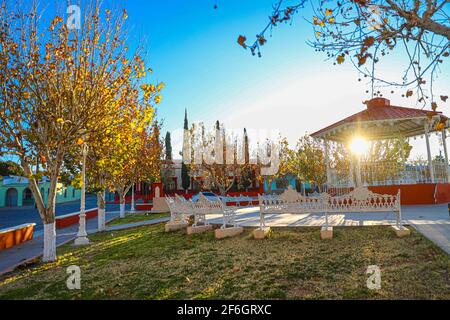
x=326 y=233
x=170 y=226
x=401 y=231
x=261 y=233
x=228 y=232
x=199 y=229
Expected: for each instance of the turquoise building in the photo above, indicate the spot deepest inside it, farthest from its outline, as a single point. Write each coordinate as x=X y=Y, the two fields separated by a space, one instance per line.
x=281 y=184
x=15 y=192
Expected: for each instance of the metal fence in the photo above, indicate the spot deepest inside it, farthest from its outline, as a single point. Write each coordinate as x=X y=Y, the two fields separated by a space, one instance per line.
x=390 y=173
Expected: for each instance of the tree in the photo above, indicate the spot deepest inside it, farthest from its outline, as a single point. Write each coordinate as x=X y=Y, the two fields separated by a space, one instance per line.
x=167 y=169
x=185 y=177
x=217 y=158
x=133 y=145
x=308 y=161
x=8 y=168
x=168 y=147
x=367 y=32
x=281 y=161
x=149 y=155
x=57 y=89
x=245 y=180
x=385 y=159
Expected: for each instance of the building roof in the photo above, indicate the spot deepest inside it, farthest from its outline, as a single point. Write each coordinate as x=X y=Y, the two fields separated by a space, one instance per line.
x=381 y=120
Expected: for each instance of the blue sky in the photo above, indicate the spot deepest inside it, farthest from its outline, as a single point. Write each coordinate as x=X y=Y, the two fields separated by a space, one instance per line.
x=192 y=48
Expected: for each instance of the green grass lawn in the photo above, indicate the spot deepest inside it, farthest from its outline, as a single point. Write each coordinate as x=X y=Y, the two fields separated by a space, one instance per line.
x=147 y=263
x=138 y=217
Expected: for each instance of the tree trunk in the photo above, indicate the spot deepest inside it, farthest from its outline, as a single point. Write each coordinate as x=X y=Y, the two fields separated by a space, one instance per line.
x=49 y=253
x=101 y=195
x=122 y=205
x=46 y=211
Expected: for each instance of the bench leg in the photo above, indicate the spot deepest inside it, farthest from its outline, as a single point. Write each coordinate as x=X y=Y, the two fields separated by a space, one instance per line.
x=326 y=232
x=401 y=231
x=399 y=217
x=262 y=222
x=261 y=233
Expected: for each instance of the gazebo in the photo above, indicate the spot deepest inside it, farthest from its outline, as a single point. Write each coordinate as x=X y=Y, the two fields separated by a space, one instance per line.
x=380 y=121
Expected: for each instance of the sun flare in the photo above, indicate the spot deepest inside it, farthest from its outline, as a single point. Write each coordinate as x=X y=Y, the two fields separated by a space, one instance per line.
x=359 y=145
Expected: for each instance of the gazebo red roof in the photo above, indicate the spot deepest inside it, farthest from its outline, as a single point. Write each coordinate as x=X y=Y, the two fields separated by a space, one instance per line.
x=379 y=113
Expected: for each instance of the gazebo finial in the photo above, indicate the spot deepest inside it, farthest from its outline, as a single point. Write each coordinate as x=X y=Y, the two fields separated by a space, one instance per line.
x=377 y=102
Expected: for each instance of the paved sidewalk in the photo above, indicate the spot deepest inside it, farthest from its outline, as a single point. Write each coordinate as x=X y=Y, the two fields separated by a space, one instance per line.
x=30 y=250
x=438 y=233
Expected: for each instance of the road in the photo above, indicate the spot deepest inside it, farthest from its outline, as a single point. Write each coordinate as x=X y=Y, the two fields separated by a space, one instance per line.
x=10 y=217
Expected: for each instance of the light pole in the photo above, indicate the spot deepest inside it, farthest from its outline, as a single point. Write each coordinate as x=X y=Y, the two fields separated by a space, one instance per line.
x=82 y=238
x=133 y=209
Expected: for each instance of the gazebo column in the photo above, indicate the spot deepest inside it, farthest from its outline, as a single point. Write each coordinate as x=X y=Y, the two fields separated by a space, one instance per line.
x=327 y=163
x=358 y=171
x=427 y=139
x=350 y=173
x=444 y=143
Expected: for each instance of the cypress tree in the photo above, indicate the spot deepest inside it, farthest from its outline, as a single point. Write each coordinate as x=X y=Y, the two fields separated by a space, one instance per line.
x=168 y=147
x=185 y=178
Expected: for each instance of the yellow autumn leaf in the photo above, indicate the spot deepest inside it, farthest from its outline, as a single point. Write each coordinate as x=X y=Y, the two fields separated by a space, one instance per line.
x=161 y=86
x=340 y=59
x=316 y=20
x=328 y=12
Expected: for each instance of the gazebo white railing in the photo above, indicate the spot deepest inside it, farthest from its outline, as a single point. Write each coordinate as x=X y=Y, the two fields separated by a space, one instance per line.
x=389 y=173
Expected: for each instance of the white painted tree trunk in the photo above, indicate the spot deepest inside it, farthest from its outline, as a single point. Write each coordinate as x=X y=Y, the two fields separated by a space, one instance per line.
x=101 y=211
x=49 y=242
x=101 y=220
x=122 y=207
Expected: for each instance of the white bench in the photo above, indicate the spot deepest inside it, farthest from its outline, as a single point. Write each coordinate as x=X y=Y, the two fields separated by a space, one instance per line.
x=203 y=206
x=290 y=201
x=360 y=199
x=180 y=209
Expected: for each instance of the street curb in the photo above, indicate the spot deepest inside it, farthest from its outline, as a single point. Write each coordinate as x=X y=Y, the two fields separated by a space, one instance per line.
x=26 y=261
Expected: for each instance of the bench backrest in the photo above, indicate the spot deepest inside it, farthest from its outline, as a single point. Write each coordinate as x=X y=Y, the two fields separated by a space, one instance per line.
x=205 y=206
x=362 y=199
x=359 y=200
x=290 y=201
x=178 y=205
